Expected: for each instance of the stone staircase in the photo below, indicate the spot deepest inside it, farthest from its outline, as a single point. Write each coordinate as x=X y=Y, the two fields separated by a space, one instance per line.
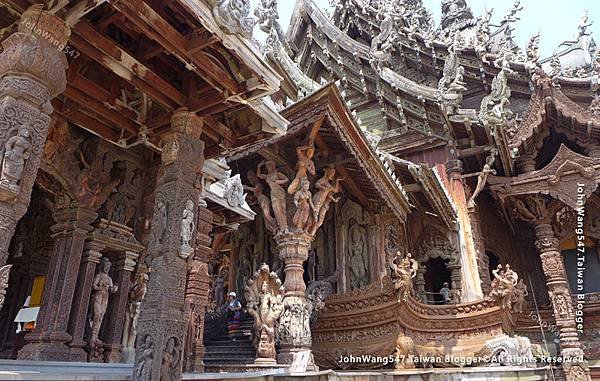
x=224 y=354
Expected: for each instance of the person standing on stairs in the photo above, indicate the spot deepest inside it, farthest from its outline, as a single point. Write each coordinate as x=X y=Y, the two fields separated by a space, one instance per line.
x=233 y=313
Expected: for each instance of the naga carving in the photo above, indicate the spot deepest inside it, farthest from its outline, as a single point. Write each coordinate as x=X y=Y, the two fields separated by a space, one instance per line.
x=264 y=302
x=403 y=272
x=504 y=286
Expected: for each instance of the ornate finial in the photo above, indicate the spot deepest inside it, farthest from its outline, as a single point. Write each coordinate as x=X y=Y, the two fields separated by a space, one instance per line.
x=511 y=16
x=584 y=24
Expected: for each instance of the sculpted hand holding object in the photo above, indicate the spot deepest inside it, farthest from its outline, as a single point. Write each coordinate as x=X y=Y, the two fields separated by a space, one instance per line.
x=275 y=180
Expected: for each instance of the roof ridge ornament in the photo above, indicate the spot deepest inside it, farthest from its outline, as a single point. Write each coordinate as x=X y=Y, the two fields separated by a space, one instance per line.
x=232 y=16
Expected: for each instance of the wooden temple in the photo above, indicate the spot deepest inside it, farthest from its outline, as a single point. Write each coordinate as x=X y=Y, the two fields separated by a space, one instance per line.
x=369 y=184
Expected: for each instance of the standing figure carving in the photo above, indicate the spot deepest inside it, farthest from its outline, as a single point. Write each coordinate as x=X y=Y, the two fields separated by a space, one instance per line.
x=275 y=180
x=262 y=200
x=503 y=285
x=482 y=178
x=324 y=196
x=305 y=166
x=403 y=274
x=188 y=226
x=16 y=152
x=160 y=222
x=357 y=261
x=312 y=265
x=170 y=360
x=147 y=352
x=264 y=298
x=304 y=204
x=102 y=287
x=135 y=297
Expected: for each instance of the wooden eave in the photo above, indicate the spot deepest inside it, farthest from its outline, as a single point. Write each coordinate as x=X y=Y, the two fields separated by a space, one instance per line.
x=422 y=184
x=340 y=142
x=551 y=107
x=151 y=56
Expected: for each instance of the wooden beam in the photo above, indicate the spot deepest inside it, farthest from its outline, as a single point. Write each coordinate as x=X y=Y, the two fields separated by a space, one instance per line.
x=79 y=10
x=18 y=5
x=84 y=121
x=104 y=51
x=200 y=42
x=354 y=188
x=99 y=108
x=157 y=28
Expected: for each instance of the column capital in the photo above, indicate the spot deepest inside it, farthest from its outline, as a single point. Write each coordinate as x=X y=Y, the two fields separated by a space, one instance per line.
x=185 y=122
x=35 y=50
x=127 y=261
x=92 y=252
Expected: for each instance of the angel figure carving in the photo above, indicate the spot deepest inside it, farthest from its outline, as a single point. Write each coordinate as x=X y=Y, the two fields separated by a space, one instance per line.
x=503 y=285
x=305 y=166
x=275 y=179
x=304 y=204
x=264 y=298
x=262 y=200
x=324 y=196
x=403 y=274
x=482 y=179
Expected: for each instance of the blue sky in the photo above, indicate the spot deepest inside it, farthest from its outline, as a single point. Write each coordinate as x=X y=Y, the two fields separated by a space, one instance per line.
x=557 y=19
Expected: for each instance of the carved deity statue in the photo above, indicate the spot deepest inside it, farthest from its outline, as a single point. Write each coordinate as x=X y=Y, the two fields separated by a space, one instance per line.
x=305 y=166
x=357 y=259
x=95 y=182
x=170 y=359
x=134 y=300
x=264 y=302
x=324 y=196
x=405 y=352
x=218 y=292
x=262 y=200
x=503 y=285
x=482 y=178
x=232 y=15
x=275 y=180
x=403 y=274
x=16 y=152
x=146 y=348
x=102 y=286
x=304 y=204
x=160 y=222
x=188 y=226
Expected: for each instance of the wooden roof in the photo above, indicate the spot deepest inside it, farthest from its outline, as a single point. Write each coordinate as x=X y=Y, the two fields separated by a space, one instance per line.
x=339 y=142
x=132 y=62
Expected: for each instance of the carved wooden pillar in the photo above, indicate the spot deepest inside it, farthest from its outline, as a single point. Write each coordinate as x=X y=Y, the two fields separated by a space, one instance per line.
x=539 y=212
x=81 y=300
x=32 y=72
x=48 y=341
x=482 y=258
x=455 y=276
x=115 y=315
x=198 y=285
x=162 y=324
x=293 y=250
x=471 y=283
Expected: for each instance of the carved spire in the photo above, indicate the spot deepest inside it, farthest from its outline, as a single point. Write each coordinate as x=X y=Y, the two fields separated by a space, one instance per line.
x=455 y=13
